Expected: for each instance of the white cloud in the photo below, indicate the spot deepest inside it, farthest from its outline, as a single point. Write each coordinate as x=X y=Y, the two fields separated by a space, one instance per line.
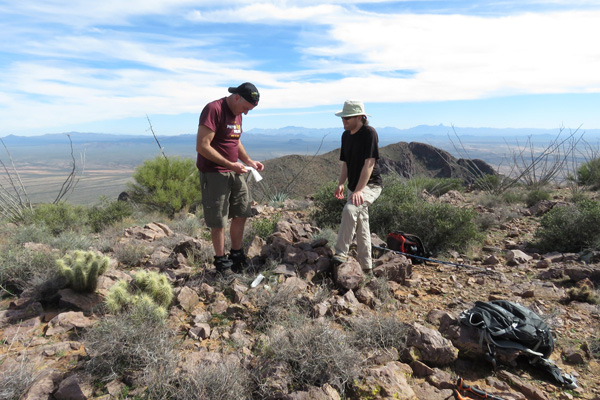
x=93 y=73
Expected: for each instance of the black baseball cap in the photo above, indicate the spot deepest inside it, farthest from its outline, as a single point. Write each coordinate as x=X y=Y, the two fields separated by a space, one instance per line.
x=248 y=91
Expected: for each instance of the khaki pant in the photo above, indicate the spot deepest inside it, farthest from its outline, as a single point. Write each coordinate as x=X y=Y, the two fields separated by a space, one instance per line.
x=224 y=195
x=355 y=219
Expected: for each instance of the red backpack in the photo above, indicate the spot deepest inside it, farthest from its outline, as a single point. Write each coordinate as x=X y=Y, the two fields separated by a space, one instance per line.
x=407 y=244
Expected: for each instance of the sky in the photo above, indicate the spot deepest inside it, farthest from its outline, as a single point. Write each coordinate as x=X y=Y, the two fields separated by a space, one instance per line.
x=110 y=66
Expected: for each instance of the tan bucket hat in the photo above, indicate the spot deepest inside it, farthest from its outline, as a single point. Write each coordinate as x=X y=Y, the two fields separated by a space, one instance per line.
x=352 y=108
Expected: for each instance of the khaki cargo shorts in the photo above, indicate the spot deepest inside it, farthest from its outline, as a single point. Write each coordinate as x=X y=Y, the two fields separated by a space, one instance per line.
x=224 y=195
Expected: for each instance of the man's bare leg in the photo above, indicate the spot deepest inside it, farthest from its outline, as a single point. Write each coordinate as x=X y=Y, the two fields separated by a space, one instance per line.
x=218 y=239
x=237 y=232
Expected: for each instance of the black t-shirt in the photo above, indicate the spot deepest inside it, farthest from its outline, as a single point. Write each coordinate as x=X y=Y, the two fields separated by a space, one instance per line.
x=355 y=150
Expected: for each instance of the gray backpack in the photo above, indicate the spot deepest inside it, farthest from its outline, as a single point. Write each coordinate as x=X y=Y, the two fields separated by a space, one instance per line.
x=504 y=324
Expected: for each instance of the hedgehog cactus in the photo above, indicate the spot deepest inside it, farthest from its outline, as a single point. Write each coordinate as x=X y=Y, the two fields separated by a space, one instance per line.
x=81 y=269
x=156 y=286
x=118 y=296
x=150 y=291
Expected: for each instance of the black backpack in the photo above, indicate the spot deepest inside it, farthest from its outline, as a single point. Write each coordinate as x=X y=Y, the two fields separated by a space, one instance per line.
x=407 y=244
x=504 y=324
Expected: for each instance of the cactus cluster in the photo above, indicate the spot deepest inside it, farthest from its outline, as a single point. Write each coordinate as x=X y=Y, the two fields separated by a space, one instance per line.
x=150 y=291
x=81 y=269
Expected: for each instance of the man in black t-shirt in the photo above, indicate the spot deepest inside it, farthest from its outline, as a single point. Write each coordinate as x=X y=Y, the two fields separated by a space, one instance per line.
x=359 y=155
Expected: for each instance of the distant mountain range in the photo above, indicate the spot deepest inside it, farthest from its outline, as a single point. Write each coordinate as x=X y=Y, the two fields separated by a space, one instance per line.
x=263 y=144
x=107 y=161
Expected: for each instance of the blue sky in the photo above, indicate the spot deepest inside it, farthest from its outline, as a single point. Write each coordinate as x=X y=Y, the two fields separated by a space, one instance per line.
x=93 y=66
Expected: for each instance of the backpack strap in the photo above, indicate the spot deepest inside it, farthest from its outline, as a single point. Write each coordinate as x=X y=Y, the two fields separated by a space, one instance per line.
x=566 y=380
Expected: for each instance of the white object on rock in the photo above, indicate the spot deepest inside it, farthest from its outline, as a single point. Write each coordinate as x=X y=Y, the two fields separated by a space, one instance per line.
x=257 y=281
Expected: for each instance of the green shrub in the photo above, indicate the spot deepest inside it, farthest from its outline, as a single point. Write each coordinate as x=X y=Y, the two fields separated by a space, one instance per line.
x=514 y=195
x=495 y=184
x=81 y=269
x=107 y=213
x=328 y=209
x=536 y=195
x=441 y=226
x=570 y=228
x=59 y=217
x=588 y=174
x=264 y=227
x=436 y=186
x=167 y=185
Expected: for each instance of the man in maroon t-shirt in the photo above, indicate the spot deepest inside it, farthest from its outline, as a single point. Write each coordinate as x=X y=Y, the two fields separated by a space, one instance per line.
x=224 y=191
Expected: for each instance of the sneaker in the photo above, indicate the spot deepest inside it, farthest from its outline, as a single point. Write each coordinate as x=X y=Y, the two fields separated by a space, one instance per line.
x=339 y=259
x=238 y=260
x=223 y=265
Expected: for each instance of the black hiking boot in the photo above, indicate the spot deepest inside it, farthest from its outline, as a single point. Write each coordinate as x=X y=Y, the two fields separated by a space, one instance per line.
x=223 y=265
x=238 y=260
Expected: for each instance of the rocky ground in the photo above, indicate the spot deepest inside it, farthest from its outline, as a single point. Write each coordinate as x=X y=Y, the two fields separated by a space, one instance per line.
x=428 y=297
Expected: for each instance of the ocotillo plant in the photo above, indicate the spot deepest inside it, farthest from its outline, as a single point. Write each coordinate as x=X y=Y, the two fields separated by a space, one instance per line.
x=81 y=269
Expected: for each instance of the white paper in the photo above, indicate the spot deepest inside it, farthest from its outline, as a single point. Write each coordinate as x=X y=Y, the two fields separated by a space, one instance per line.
x=257 y=281
x=255 y=174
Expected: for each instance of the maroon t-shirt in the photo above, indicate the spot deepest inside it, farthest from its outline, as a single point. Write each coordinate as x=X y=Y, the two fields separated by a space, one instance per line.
x=217 y=117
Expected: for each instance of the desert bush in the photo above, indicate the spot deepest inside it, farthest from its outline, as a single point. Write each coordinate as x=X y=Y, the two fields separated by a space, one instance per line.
x=264 y=227
x=588 y=174
x=81 y=269
x=441 y=226
x=317 y=353
x=493 y=184
x=189 y=224
x=21 y=234
x=276 y=307
x=168 y=185
x=58 y=217
x=570 y=228
x=15 y=381
x=535 y=195
x=593 y=345
x=130 y=254
x=128 y=342
x=218 y=381
x=328 y=234
x=378 y=331
x=328 y=209
x=22 y=269
x=106 y=213
x=436 y=186
x=380 y=286
x=69 y=240
x=584 y=294
x=514 y=195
